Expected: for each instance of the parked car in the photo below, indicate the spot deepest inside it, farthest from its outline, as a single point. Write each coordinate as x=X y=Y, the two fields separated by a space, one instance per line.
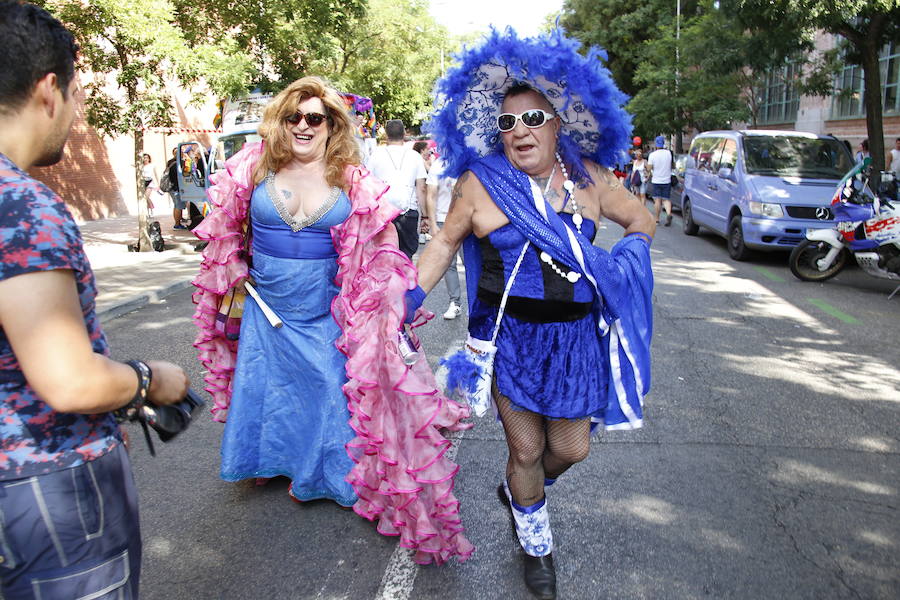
x=761 y=189
x=677 y=192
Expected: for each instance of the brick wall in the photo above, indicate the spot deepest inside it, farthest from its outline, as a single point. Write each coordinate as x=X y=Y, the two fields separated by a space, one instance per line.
x=96 y=176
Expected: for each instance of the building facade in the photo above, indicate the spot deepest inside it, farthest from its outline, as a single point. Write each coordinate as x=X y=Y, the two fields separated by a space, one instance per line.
x=97 y=177
x=842 y=113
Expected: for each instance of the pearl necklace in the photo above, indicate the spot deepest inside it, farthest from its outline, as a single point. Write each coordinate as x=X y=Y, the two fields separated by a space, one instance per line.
x=572 y=276
x=569 y=186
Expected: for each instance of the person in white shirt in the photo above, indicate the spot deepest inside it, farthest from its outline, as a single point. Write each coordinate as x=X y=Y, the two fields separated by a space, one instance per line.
x=660 y=161
x=440 y=194
x=893 y=162
x=404 y=171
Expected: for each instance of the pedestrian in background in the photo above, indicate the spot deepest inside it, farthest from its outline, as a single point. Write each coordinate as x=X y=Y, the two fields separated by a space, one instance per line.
x=660 y=163
x=404 y=171
x=640 y=176
x=427 y=154
x=440 y=194
x=178 y=204
x=324 y=398
x=68 y=501
x=862 y=151
x=893 y=159
x=148 y=176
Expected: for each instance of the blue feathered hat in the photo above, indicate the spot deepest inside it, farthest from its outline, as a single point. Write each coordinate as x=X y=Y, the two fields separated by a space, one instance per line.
x=580 y=88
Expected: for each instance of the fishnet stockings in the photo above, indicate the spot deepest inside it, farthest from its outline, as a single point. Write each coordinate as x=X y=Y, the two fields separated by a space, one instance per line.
x=538 y=448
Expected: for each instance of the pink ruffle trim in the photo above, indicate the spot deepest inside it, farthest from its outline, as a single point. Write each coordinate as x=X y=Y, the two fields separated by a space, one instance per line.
x=221 y=268
x=401 y=474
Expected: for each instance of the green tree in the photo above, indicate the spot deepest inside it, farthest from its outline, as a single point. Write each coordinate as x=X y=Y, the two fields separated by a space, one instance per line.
x=139 y=45
x=865 y=25
x=392 y=55
x=699 y=70
x=286 y=39
x=387 y=50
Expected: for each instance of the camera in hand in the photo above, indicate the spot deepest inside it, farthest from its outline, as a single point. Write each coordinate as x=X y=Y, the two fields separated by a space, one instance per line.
x=167 y=421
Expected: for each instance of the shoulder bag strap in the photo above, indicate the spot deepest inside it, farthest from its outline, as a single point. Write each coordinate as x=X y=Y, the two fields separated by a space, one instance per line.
x=509 y=284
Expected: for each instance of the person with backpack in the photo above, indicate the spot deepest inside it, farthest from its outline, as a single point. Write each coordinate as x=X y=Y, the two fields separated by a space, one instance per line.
x=173 y=190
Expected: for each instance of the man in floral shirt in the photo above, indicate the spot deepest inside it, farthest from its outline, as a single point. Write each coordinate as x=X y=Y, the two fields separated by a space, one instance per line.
x=68 y=505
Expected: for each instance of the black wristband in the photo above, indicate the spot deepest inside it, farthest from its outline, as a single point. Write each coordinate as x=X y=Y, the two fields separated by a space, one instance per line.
x=144 y=376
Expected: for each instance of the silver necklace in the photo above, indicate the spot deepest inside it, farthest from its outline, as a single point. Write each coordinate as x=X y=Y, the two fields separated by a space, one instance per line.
x=570 y=276
x=289 y=219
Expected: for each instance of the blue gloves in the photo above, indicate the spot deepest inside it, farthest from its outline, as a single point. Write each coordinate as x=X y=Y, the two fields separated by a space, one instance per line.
x=414 y=299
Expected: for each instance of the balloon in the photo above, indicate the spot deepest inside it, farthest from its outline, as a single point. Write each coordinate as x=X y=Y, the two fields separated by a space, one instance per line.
x=636 y=141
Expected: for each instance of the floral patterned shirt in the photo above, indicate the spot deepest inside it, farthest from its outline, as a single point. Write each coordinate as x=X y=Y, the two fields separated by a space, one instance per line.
x=37 y=233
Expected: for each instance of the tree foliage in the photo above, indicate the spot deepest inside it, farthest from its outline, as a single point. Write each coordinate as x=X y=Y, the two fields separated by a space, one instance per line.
x=865 y=25
x=701 y=71
x=140 y=46
x=392 y=55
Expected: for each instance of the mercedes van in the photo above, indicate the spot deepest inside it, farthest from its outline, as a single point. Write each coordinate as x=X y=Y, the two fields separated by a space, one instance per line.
x=761 y=189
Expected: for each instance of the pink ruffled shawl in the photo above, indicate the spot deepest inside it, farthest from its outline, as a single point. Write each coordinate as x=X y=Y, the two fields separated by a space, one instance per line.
x=401 y=474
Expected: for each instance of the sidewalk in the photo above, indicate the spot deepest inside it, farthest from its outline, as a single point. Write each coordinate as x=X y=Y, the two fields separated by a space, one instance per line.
x=127 y=280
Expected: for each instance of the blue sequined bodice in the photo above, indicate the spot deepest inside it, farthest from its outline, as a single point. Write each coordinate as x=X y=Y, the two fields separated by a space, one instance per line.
x=272 y=236
x=535 y=279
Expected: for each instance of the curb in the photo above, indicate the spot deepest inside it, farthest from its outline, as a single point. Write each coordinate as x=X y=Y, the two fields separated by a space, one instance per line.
x=128 y=305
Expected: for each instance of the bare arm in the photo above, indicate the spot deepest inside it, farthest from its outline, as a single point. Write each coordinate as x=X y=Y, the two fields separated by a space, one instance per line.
x=457 y=226
x=431 y=208
x=619 y=205
x=42 y=319
x=420 y=196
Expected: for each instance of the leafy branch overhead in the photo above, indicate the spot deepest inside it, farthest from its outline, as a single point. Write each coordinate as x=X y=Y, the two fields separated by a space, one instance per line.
x=141 y=46
x=705 y=70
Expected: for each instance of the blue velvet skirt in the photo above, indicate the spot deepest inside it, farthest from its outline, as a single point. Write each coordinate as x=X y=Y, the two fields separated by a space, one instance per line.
x=553 y=369
x=288 y=413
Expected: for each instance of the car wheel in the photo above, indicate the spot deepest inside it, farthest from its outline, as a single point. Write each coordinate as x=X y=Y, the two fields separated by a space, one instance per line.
x=687 y=219
x=736 y=247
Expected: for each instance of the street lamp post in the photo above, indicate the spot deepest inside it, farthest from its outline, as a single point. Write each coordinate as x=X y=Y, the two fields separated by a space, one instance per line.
x=678 y=134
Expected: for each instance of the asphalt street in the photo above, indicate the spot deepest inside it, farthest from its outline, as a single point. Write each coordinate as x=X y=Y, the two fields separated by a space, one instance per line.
x=768 y=465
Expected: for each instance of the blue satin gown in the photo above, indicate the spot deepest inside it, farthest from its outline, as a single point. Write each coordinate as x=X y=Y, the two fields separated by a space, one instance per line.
x=288 y=413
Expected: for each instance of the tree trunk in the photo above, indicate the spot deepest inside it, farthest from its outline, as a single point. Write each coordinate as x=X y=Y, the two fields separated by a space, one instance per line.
x=143 y=221
x=872 y=98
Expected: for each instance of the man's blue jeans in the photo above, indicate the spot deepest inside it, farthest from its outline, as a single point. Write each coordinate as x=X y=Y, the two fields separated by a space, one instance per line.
x=72 y=533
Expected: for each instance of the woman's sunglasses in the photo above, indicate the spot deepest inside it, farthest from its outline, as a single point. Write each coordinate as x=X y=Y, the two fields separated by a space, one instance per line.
x=531 y=119
x=312 y=119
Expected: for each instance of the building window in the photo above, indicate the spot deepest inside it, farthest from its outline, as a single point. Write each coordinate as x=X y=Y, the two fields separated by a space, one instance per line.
x=848 y=98
x=779 y=98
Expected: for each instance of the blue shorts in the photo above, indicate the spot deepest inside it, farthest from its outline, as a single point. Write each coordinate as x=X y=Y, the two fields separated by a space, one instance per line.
x=662 y=190
x=176 y=198
x=72 y=533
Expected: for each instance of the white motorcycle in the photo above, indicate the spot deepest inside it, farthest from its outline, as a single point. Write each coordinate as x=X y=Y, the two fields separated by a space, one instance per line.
x=867 y=225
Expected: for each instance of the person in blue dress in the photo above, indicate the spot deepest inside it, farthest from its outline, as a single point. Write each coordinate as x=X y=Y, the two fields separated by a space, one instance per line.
x=307 y=374
x=526 y=126
x=288 y=414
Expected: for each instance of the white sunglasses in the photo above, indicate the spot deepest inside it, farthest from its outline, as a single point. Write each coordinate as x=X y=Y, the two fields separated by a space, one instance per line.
x=532 y=119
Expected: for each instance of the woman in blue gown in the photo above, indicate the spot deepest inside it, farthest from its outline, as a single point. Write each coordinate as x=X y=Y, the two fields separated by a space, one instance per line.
x=288 y=414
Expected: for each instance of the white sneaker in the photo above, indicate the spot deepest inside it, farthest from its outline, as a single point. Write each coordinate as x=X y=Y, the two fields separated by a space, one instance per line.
x=453 y=311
